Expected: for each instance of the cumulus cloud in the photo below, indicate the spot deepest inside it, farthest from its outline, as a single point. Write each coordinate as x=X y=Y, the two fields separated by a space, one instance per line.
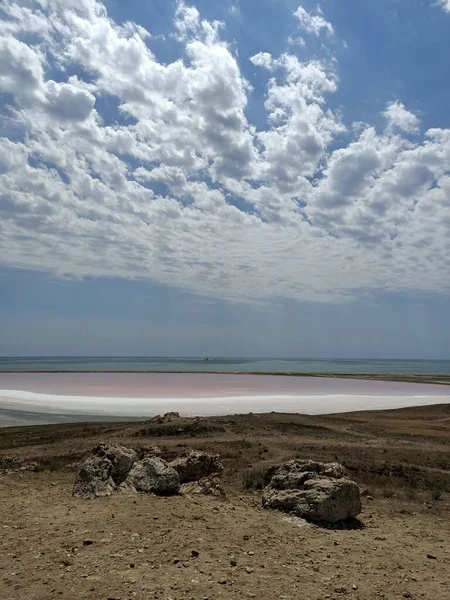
x=445 y=5
x=67 y=101
x=139 y=168
x=21 y=71
x=301 y=128
x=314 y=24
x=188 y=23
x=398 y=117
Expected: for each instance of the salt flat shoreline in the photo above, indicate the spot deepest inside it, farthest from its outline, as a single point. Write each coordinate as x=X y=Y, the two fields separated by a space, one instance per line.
x=431 y=378
x=56 y=396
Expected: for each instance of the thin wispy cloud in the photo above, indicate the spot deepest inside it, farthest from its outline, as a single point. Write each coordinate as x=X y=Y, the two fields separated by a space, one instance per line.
x=315 y=24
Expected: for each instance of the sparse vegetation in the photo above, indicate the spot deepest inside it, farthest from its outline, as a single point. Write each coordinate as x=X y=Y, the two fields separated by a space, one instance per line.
x=253 y=479
x=368 y=444
x=58 y=463
x=436 y=495
x=405 y=482
x=387 y=492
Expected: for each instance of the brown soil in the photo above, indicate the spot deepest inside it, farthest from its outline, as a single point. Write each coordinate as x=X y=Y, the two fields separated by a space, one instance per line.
x=141 y=547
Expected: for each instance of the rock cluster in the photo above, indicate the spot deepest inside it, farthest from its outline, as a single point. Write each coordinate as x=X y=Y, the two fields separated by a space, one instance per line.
x=206 y=486
x=103 y=471
x=318 y=492
x=12 y=464
x=166 y=418
x=153 y=476
x=195 y=464
x=110 y=467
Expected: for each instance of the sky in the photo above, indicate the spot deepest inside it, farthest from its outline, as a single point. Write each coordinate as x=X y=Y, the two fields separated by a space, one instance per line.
x=235 y=178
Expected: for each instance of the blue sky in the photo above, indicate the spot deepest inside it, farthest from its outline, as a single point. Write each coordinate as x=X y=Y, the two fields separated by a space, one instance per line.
x=266 y=178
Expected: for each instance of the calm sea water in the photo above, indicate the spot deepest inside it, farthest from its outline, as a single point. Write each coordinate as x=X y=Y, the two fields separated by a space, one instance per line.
x=240 y=365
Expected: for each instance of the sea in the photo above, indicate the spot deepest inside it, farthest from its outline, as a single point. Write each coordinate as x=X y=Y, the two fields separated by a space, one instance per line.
x=211 y=364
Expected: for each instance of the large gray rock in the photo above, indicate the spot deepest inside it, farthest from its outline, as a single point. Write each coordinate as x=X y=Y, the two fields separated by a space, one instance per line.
x=196 y=465
x=207 y=486
x=105 y=468
x=292 y=473
x=149 y=451
x=315 y=491
x=166 y=418
x=153 y=476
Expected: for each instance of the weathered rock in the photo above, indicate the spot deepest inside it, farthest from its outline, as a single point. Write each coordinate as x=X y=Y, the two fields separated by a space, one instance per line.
x=103 y=470
x=149 y=451
x=323 y=500
x=154 y=476
x=170 y=416
x=126 y=488
x=155 y=419
x=197 y=465
x=207 y=486
x=363 y=491
x=122 y=460
x=291 y=474
x=10 y=465
x=166 y=418
x=8 y=462
x=315 y=491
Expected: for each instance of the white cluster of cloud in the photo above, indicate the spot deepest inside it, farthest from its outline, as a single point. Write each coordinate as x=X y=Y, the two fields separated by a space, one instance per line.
x=114 y=163
x=445 y=5
x=314 y=24
x=398 y=117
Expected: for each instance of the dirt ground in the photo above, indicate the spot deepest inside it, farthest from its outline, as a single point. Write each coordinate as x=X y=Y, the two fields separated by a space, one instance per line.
x=144 y=547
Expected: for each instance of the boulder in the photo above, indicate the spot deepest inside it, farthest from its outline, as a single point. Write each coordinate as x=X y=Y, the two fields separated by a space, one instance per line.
x=155 y=419
x=170 y=416
x=318 y=492
x=106 y=467
x=153 y=476
x=207 y=486
x=126 y=488
x=196 y=465
x=292 y=473
x=149 y=451
x=166 y=418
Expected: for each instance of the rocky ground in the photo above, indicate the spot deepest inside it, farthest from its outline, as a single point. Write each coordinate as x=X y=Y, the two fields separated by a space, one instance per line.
x=141 y=546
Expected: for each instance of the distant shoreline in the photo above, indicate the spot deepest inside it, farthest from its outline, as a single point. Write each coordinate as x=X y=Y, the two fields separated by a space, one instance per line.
x=432 y=378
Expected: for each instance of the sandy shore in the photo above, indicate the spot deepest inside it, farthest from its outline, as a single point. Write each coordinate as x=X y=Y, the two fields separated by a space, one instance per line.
x=57 y=396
